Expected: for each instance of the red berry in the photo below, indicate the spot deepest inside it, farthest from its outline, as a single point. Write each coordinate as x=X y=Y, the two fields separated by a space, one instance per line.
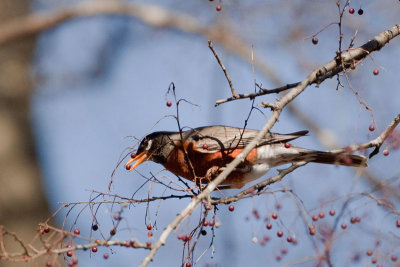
x=351 y=10
x=385 y=152
x=69 y=253
x=360 y=11
x=105 y=256
x=284 y=251
x=394 y=258
x=369 y=253
x=94 y=249
x=188 y=264
x=287 y=145
x=77 y=232
x=180 y=237
x=231 y=208
x=279 y=234
x=278 y=258
x=256 y=214
x=218 y=8
x=128 y=166
x=117 y=218
x=375 y=72
x=188 y=237
x=332 y=212
x=46 y=229
x=274 y=216
x=311 y=230
x=314 y=40
x=150 y=234
x=205 y=146
x=321 y=214
x=315 y=218
x=148 y=244
x=357 y=219
x=352 y=220
x=169 y=103
x=95 y=227
x=374 y=260
x=149 y=227
x=269 y=226
x=398 y=223
x=371 y=128
x=344 y=226
x=211 y=223
x=49 y=264
x=289 y=239
x=127 y=244
x=133 y=155
x=205 y=223
x=113 y=231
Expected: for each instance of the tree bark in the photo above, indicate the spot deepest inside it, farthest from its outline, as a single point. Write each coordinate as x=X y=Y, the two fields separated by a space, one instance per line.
x=22 y=201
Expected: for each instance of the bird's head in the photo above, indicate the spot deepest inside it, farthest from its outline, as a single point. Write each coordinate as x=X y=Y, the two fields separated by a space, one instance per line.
x=155 y=147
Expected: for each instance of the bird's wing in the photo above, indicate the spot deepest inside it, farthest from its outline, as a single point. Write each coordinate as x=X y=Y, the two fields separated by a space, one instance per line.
x=221 y=138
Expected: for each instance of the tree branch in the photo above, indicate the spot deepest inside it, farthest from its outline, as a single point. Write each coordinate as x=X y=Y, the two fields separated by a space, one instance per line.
x=319 y=74
x=234 y=94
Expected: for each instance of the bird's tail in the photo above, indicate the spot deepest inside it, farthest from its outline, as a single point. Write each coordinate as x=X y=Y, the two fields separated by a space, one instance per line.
x=337 y=158
x=297 y=154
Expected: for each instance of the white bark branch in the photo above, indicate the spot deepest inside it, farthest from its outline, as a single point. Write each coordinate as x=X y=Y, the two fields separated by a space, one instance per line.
x=318 y=74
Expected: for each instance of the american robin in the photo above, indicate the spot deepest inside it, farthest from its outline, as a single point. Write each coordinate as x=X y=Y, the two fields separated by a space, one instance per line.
x=201 y=153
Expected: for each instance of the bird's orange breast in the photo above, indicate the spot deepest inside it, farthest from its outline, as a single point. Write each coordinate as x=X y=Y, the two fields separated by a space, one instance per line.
x=181 y=165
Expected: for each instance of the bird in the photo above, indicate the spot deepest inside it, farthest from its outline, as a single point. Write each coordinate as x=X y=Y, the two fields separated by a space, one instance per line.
x=200 y=154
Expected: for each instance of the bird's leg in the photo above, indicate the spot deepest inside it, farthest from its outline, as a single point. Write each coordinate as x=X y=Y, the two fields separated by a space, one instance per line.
x=213 y=172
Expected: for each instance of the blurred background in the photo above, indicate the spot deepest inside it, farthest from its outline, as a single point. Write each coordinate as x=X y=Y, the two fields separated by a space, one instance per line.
x=77 y=91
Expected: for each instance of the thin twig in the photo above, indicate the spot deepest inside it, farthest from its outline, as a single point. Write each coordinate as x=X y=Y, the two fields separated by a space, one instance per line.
x=262 y=91
x=234 y=94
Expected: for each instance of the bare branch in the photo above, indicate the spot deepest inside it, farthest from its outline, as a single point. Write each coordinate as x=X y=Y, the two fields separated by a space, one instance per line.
x=262 y=91
x=319 y=74
x=234 y=94
x=377 y=142
x=345 y=61
x=260 y=186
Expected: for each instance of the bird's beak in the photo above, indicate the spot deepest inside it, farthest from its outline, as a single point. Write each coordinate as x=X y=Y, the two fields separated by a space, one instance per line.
x=138 y=158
